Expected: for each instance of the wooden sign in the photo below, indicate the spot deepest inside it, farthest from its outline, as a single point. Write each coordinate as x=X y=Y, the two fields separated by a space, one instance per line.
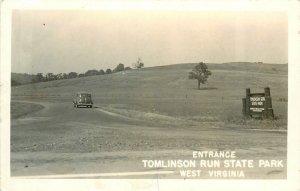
x=258 y=105
x=257 y=102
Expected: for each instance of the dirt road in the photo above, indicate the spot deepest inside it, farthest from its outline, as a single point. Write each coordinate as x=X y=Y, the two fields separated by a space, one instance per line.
x=82 y=142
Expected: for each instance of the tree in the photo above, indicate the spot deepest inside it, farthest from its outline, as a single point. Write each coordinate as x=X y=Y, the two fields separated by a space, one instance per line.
x=72 y=75
x=59 y=76
x=200 y=73
x=119 y=68
x=50 y=76
x=65 y=76
x=91 y=73
x=108 y=71
x=127 y=68
x=101 y=72
x=139 y=63
x=80 y=75
x=39 y=77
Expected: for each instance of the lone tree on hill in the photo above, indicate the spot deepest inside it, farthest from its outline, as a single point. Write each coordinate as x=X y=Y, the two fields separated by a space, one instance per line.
x=139 y=64
x=201 y=73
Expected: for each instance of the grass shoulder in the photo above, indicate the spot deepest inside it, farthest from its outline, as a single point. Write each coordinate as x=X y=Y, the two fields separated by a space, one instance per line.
x=19 y=109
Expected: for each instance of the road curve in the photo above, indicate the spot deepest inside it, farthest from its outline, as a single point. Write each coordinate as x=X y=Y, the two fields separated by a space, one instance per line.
x=63 y=140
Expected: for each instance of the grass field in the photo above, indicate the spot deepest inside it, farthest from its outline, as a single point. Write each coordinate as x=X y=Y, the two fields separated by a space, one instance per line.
x=19 y=109
x=166 y=93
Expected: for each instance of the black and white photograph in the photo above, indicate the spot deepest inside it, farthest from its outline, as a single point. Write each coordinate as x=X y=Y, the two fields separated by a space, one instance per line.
x=151 y=94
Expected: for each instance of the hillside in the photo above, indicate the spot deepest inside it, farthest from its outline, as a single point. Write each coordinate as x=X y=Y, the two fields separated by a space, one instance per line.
x=167 y=90
x=20 y=79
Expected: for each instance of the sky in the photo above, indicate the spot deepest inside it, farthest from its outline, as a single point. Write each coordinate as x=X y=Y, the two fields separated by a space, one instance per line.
x=63 y=41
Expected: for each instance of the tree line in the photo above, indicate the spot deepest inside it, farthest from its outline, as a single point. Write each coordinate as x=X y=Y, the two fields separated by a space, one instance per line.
x=51 y=76
x=40 y=77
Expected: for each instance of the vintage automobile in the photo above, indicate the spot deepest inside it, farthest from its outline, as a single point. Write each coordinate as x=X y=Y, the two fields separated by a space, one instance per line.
x=83 y=99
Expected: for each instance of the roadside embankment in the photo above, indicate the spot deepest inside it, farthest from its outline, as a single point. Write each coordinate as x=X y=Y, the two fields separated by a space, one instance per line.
x=19 y=109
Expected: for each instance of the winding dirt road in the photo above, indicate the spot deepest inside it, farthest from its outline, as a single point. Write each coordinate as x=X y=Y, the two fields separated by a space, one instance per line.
x=62 y=141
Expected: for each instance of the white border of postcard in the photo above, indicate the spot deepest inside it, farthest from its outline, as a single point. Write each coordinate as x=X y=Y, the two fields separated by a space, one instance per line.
x=292 y=181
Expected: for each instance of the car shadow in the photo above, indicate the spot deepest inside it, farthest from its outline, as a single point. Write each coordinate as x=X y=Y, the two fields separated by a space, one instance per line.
x=205 y=88
x=82 y=107
x=208 y=88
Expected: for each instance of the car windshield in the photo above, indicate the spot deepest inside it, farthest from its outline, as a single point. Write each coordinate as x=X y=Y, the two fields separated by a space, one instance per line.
x=85 y=95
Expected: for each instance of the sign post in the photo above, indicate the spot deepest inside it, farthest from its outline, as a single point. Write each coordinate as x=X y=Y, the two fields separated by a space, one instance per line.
x=258 y=105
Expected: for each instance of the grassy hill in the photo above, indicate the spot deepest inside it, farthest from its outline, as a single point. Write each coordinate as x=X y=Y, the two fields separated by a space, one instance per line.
x=20 y=79
x=166 y=90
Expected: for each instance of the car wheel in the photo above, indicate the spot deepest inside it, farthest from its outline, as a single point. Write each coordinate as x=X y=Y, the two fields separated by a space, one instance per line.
x=91 y=106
